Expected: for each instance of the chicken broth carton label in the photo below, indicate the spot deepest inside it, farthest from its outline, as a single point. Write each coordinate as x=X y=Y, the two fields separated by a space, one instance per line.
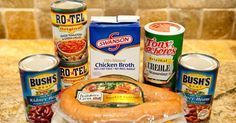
x=115 y=46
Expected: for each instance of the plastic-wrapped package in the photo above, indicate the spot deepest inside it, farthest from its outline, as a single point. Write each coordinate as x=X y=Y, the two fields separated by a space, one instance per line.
x=118 y=101
x=60 y=117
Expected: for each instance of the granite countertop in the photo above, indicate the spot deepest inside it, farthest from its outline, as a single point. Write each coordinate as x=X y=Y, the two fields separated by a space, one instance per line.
x=11 y=51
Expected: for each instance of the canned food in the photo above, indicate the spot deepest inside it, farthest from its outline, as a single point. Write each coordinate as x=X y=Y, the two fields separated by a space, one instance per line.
x=69 y=24
x=197 y=75
x=162 y=48
x=41 y=84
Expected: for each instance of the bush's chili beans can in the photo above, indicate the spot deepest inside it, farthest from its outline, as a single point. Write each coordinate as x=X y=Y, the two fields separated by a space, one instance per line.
x=69 y=24
x=162 y=48
x=196 y=79
x=41 y=84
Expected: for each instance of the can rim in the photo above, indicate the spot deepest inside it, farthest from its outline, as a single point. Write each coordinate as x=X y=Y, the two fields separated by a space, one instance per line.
x=76 y=9
x=49 y=55
x=180 y=31
x=211 y=57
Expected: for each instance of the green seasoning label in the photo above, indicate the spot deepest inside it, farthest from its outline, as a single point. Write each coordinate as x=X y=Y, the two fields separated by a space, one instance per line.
x=159 y=58
x=162 y=47
x=110 y=94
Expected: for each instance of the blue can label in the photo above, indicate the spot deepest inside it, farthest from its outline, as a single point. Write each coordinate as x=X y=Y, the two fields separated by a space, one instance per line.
x=198 y=88
x=40 y=90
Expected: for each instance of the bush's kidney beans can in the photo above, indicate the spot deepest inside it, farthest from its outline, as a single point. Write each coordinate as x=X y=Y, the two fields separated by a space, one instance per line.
x=196 y=79
x=69 y=25
x=162 y=48
x=41 y=83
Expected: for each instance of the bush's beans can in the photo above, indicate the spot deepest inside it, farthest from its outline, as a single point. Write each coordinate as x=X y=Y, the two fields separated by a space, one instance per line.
x=162 y=48
x=69 y=24
x=196 y=79
x=41 y=84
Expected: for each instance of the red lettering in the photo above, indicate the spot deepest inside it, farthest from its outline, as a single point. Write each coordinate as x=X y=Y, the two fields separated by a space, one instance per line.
x=160 y=48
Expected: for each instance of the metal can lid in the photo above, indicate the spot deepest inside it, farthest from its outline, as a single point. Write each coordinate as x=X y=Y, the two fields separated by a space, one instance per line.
x=39 y=62
x=68 y=6
x=164 y=28
x=199 y=62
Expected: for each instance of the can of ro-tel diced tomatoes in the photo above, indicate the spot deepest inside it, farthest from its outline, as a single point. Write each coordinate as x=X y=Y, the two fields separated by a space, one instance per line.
x=41 y=83
x=69 y=24
x=162 y=48
x=196 y=79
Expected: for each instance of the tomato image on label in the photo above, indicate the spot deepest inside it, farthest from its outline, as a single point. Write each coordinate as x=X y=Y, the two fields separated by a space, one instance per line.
x=71 y=46
x=72 y=50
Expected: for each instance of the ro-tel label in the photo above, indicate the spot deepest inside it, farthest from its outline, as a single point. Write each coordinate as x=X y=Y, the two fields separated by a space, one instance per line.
x=113 y=94
x=69 y=34
x=73 y=74
x=41 y=88
x=69 y=19
x=69 y=26
x=159 y=59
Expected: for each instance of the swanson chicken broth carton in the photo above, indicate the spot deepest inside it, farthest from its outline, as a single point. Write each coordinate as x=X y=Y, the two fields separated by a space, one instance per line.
x=115 y=46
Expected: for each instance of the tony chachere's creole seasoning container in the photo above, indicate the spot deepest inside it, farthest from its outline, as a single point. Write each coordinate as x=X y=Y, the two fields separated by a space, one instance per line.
x=41 y=84
x=69 y=20
x=197 y=75
x=162 y=47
